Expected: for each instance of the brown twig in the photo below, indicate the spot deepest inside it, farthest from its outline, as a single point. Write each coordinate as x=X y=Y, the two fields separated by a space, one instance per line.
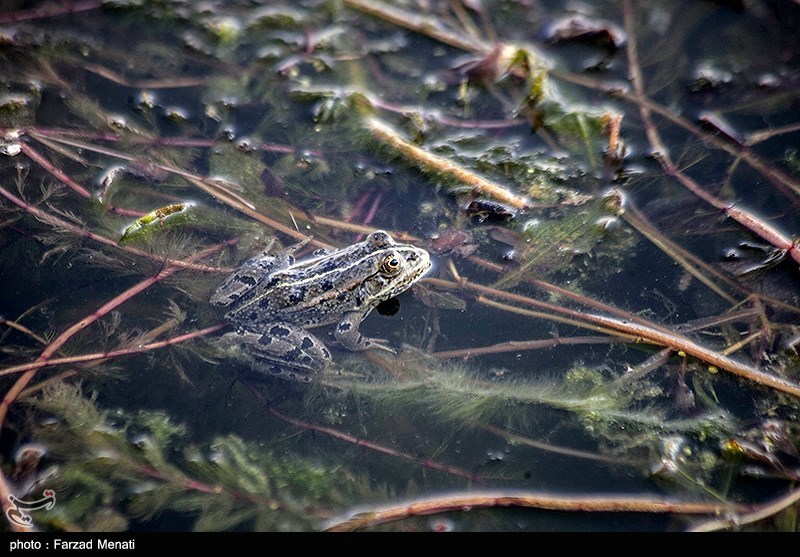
x=38 y=364
x=166 y=83
x=428 y=161
x=425 y=25
x=760 y=512
x=517 y=346
x=158 y=141
x=754 y=224
x=519 y=439
x=35 y=156
x=562 y=292
x=641 y=331
x=22 y=329
x=545 y=501
x=51 y=10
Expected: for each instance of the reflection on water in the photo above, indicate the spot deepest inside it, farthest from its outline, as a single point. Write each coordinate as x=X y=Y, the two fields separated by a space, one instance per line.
x=608 y=192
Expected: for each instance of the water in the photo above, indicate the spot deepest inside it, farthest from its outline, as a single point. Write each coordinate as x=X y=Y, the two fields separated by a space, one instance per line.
x=264 y=116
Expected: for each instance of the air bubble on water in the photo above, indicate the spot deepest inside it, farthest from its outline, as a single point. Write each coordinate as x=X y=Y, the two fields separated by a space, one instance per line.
x=10 y=149
x=176 y=114
x=216 y=457
x=141 y=441
x=117 y=122
x=50 y=420
x=495 y=456
x=146 y=99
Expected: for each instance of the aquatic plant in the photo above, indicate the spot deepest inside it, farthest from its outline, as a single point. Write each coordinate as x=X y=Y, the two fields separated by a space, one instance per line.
x=615 y=289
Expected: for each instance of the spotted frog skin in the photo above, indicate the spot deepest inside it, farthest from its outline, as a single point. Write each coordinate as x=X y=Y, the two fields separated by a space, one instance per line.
x=272 y=301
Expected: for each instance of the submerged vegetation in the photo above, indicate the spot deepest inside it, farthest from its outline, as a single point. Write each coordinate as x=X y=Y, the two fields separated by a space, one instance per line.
x=610 y=191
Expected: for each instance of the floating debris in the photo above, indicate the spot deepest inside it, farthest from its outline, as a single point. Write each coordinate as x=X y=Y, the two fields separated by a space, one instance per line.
x=486 y=209
x=106 y=182
x=158 y=220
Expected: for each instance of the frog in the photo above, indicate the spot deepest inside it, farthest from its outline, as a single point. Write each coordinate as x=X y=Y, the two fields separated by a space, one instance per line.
x=272 y=301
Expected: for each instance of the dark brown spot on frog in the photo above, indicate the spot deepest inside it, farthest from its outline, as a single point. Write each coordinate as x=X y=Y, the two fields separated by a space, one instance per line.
x=292 y=355
x=278 y=331
x=277 y=370
x=248 y=280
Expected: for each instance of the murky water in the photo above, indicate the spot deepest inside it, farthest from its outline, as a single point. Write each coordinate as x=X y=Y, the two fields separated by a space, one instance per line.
x=599 y=325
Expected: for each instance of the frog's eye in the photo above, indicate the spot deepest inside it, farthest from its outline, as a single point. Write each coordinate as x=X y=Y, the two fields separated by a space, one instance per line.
x=390 y=265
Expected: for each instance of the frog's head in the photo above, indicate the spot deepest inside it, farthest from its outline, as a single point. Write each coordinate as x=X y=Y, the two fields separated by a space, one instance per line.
x=395 y=267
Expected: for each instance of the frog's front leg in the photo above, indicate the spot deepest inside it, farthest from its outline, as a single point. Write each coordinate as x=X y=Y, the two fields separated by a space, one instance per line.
x=348 y=335
x=278 y=344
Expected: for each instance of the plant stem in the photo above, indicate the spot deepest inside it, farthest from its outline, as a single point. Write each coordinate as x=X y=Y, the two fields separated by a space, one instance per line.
x=36 y=157
x=22 y=329
x=152 y=141
x=517 y=346
x=460 y=503
x=428 y=161
x=38 y=364
x=642 y=331
x=758 y=137
x=62 y=8
x=519 y=439
x=167 y=83
x=425 y=25
x=758 y=513
x=39 y=159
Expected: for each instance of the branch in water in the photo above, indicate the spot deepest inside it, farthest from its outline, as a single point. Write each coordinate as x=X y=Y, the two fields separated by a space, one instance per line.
x=461 y=503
